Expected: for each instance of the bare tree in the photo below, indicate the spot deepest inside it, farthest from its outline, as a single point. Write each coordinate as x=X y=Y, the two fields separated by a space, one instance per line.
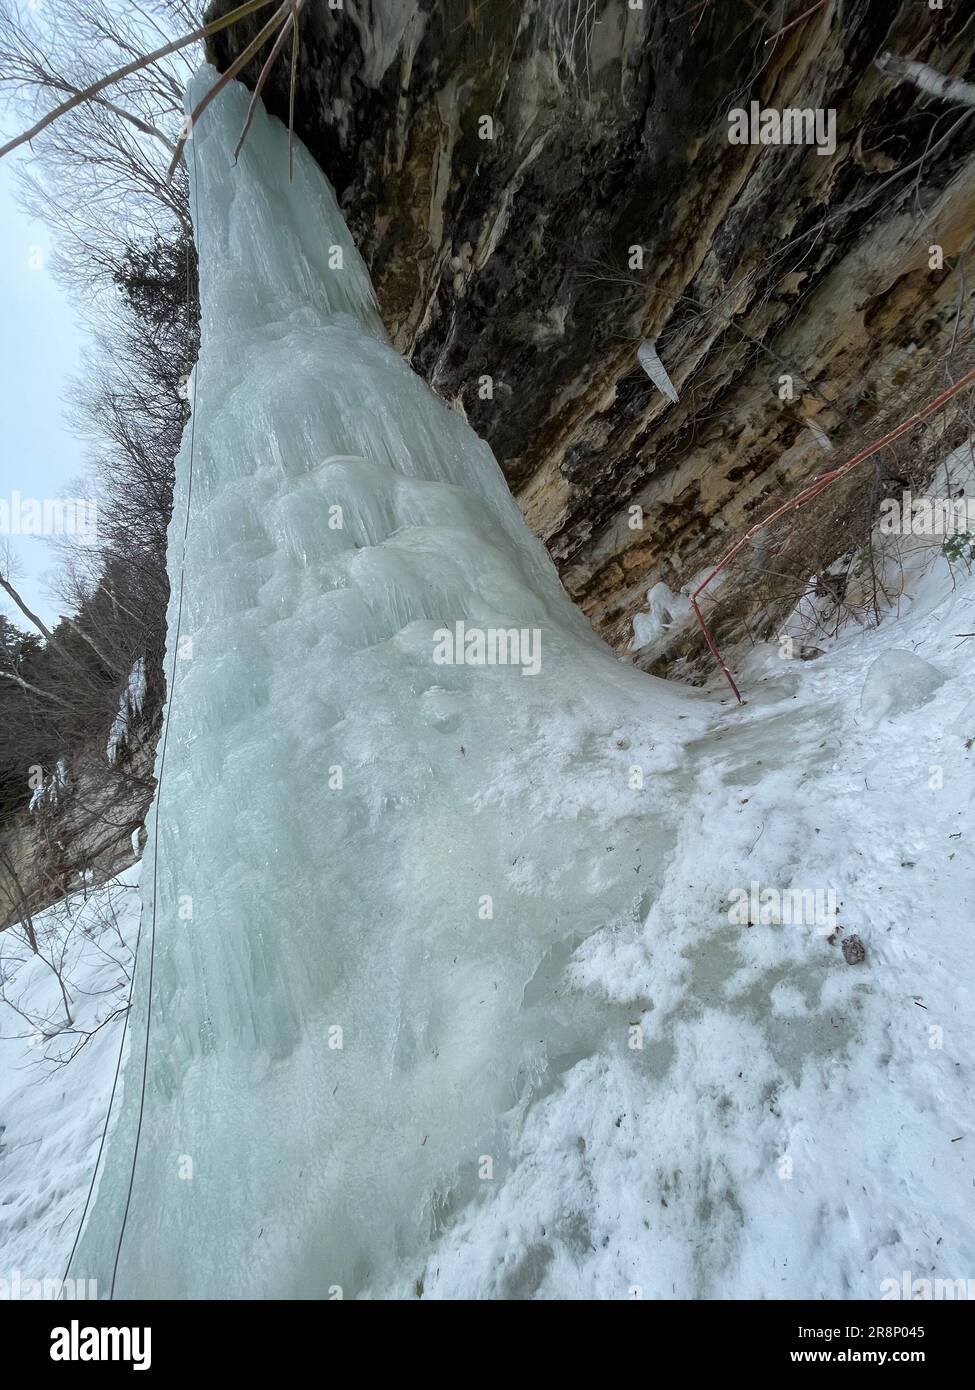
x=98 y=177
x=99 y=88
x=75 y=759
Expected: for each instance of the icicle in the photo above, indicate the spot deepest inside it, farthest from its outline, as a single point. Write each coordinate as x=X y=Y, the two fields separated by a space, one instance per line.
x=655 y=370
x=820 y=436
x=665 y=612
x=52 y=793
x=928 y=79
x=130 y=704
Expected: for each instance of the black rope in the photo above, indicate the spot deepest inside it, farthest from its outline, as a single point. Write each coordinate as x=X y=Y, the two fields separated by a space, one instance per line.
x=155 y=838
x=155 y=881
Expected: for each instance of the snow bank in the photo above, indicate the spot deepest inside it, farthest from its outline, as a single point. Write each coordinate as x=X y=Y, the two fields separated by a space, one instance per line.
x=52 y=1109
x=790 y=1125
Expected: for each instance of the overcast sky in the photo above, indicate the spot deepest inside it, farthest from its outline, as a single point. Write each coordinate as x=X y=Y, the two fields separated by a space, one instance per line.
x=42 y=345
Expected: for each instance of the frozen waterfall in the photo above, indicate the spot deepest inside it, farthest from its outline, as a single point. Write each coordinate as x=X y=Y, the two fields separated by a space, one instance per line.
x=372 y=861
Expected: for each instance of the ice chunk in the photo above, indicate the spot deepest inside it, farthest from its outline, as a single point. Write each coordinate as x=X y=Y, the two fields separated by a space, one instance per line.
x=656 y=371
x=665 y=611
x=898 y=681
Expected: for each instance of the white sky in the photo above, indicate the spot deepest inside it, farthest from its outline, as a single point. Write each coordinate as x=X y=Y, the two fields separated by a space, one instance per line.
x=41 y=347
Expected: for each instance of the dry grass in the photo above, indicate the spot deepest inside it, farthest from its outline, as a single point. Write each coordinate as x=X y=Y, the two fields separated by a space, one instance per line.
x=826 y=560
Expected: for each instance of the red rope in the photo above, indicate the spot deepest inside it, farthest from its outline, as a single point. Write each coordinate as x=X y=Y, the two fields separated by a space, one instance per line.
x=817 y=486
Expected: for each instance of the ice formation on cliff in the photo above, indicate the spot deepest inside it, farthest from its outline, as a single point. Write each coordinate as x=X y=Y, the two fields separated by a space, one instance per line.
x=372 y=867
x=564 y=1070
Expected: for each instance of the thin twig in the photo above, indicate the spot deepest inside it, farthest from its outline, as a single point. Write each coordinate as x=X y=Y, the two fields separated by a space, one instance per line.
x=136 y=65
x=793 y=22
x=222 y=81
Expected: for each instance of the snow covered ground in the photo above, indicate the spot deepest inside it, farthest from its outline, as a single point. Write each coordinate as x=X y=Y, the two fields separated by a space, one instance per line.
x=794 y=1126
x=782 y=1123
x=52 y=1109
x=458 y=990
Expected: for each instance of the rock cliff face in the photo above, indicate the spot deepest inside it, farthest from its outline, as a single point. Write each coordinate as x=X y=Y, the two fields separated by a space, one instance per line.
x=539 y=186
x=90 y=833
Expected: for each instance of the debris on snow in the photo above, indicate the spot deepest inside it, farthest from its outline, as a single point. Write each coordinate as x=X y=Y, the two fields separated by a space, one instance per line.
x=854 y=950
